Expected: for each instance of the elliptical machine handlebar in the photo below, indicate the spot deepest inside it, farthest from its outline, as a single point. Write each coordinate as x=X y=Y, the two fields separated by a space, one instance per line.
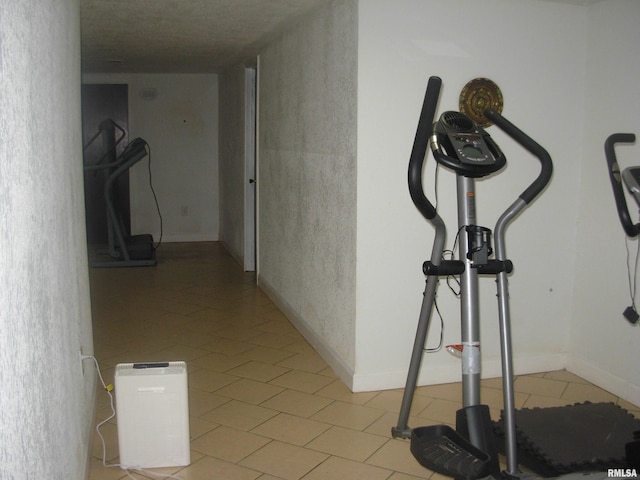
x=419 y=150
x=616 y=181
x=530 y=145
x=421 y=142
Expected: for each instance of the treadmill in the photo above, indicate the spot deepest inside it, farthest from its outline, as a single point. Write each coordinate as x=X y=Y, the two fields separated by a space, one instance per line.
x=123 y=249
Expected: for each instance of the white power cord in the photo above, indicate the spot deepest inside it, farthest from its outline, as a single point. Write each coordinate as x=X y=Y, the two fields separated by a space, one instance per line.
x=127 y=468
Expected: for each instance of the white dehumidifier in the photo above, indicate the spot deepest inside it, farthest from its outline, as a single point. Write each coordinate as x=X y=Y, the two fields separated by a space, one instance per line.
x=152 y=406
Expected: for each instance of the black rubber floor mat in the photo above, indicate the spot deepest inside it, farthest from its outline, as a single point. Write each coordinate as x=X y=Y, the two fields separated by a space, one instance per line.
x=580 y=437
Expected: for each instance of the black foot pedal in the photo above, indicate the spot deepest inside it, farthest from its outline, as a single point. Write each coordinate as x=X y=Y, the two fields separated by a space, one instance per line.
x=441 y=449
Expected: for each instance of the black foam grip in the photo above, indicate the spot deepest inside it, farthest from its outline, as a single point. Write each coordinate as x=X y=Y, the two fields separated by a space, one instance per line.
x=616 y=182
x=530 y=145
x=419 y=150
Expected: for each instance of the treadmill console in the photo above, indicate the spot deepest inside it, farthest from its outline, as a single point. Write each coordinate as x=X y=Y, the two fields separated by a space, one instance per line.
x=631 y=178
x=458 y=143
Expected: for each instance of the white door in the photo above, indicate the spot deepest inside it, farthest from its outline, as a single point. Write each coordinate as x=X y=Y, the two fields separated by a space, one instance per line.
x=250 y=171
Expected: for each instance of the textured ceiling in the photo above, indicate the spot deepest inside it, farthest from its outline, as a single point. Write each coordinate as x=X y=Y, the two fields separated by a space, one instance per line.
x=188 y=36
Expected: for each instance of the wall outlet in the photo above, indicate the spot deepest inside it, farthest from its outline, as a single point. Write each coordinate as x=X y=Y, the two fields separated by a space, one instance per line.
x=184 y=211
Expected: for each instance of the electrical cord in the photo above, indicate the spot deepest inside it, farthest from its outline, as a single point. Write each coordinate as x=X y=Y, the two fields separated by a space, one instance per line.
x=127 y=468
x=153 y=190
x=441 y=342
x=155 y=197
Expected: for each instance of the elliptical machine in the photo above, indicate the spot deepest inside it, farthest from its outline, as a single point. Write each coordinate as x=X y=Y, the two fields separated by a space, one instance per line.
x=470 y=451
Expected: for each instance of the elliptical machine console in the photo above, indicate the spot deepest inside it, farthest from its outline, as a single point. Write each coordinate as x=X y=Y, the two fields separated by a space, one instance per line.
x=458 y=143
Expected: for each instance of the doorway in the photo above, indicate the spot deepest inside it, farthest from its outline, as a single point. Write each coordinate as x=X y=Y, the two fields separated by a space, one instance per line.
x=251 y=184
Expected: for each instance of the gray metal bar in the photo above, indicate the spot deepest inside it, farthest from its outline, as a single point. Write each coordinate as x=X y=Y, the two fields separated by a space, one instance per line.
x=402 y=429
x=505 y=338
x=470 y=316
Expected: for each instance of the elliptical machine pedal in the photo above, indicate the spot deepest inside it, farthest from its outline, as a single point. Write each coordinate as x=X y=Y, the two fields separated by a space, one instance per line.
x=441 y=449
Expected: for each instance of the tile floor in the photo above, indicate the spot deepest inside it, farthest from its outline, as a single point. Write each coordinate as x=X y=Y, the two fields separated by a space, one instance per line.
x=263 y=405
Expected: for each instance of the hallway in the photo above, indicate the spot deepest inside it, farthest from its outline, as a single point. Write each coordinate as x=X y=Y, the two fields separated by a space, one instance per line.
x=263 y=405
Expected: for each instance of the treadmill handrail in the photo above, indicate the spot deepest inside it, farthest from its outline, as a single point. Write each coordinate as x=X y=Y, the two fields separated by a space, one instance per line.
x=530 y=145
x=103 y=127
x=616 y=181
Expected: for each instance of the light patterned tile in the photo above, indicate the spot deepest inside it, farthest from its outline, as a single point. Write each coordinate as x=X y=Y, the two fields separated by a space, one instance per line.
x=265 y=355
x=239 y=415
x=227 y=346
x=291 y=429
x=494 y=398
x=208 y=468
x=634 y=409
x=404 y=476
x=539 y=386
x=382 y=426
x=296 y=403
x=565 y=376
x=347 y=443
x=302 y=381
x=261 y=372
x=228 y=444
x=339 y=391
x=273 y=340
x=249 y=391
x=396 y=456
x=391 y=401
x=336 y=468
x=201 y=402
x=308 y=362
x=97 y=471
x=218 y=362
x=577 y=393
x=208 y=380
x=283 y=460
x=199 y=426
x=199 y=306
x=445 y=391
x=280 y=326
x=540 y=401
x=348 y=415
x=440 y=411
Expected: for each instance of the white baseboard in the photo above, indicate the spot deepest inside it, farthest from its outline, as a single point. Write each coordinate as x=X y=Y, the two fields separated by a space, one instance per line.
x=344 y=372
x=183 y=237
x=606 y=380
x=386 y=380
x=236 y=256
x=451 y=373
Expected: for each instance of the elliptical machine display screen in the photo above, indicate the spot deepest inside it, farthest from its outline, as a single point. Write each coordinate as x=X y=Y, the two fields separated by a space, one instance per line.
x=458 y=143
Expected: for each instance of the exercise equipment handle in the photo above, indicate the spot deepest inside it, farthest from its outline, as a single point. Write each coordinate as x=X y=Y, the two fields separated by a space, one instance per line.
x=616 y=181
x=419 y=150
x=530 y=145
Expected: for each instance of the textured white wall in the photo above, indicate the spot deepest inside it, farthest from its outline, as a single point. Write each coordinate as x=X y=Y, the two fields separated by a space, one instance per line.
x=232 y=150
x=46 y=403
x=536 y=52
x=307 y=175
x=603 y=344
x=181 y=127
